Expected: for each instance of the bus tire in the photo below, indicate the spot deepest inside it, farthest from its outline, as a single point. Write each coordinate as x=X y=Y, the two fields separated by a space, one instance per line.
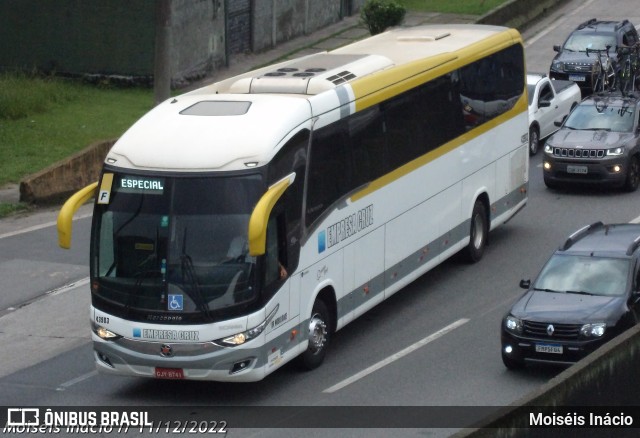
x=478 y=232
x=319 y=336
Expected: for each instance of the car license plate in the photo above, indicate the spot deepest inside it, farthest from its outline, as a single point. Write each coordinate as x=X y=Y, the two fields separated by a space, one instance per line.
x=169 y=373
x=548 y=348
x=577 y=169
x=577 y=78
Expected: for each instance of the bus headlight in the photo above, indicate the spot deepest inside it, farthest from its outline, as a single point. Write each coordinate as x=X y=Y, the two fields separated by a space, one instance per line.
x=105 y=334
x=246 y=336
x=513 y=324
x=593 y=330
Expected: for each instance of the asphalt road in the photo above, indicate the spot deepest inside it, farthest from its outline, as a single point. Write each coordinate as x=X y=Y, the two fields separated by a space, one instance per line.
x=448 y=319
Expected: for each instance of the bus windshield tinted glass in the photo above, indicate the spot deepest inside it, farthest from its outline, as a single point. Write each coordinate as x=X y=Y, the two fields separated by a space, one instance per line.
x=175 y=249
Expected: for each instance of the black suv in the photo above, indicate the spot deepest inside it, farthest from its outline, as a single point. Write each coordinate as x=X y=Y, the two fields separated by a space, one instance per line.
x=598 y=143
x=586 y=294
x=573 y=62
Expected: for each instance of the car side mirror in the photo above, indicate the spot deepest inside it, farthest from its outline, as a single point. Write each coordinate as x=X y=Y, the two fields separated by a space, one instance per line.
x=525 y=284
x=558 y=122
x=544 y=104
x=556 y=47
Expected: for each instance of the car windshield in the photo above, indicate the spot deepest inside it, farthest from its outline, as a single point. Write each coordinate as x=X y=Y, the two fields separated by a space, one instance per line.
x=598 y=115
x=580 y=42
x=584 y=274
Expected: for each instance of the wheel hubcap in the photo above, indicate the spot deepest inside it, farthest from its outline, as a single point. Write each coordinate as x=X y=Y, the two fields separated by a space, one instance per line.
x=317 y=333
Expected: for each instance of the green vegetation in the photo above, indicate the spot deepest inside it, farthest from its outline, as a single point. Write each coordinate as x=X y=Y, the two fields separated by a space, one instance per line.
x=470 y=7
x=378 y=15
x=45 y=119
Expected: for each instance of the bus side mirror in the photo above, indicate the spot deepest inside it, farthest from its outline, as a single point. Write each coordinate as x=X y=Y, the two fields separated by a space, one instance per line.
x=260 y=216
x=65 y=217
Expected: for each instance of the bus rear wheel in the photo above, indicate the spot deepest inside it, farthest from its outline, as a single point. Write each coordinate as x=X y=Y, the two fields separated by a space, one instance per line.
x=478 y=233
x=319 y=336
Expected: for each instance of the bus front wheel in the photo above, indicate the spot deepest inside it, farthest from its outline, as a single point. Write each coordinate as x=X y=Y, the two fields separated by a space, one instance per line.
x=319 y=335
x=478 y=233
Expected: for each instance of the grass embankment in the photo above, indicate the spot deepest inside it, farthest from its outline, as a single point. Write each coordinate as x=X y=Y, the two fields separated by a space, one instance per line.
x=465 y=7
x=43 y=120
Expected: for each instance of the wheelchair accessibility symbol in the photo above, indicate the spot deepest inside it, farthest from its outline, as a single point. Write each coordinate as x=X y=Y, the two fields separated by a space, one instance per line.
x=176 y=302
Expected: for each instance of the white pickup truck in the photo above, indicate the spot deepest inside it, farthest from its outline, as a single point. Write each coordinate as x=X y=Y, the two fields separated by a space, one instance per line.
x=549 y=100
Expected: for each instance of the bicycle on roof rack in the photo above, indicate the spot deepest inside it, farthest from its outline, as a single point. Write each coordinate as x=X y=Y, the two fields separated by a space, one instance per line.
x=603 y=74
x=629 y=62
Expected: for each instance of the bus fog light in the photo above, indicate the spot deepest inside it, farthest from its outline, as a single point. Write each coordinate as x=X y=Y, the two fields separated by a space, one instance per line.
x=240 y=366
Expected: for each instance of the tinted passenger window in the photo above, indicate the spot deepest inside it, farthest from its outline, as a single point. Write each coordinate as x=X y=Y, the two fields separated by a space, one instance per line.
x=329 y=169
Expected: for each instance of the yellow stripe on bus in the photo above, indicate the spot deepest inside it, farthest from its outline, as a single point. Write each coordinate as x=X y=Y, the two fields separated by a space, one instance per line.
x=381 y=86
x=520 y=107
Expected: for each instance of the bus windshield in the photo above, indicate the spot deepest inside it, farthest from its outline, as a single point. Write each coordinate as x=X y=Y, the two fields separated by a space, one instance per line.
x=174 y=249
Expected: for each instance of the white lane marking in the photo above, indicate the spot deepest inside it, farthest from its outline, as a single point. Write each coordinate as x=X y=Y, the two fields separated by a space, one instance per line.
x=559 y=21
x=78 y=379
x=41 y=226
x=68 y=287
x=396 y=356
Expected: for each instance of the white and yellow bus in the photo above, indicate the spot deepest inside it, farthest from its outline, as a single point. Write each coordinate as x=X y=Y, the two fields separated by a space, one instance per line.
x=238 y=226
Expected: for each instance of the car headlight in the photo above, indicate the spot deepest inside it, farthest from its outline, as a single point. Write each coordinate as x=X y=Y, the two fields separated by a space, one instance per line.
x=615 y=151
x=593 y=330
x=557 y=65
x=548 y=149
x=513 y=324
x=246 y=336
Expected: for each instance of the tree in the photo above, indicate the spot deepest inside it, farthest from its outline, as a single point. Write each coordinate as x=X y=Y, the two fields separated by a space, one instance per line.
x=378 y=15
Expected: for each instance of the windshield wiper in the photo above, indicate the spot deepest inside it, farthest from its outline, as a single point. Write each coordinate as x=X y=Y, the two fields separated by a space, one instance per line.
x=186 y=265
x=579 y=292
x=547 y=290
x=597 y=129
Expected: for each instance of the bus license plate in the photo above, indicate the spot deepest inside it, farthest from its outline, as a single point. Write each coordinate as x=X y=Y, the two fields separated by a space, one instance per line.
x=169 y=373
x=577 y=169
x=548 y=348
x=577 y=78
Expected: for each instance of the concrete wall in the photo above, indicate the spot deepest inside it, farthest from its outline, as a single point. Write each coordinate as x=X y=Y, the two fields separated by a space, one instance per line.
x=517 y=13
x=608 y=378
x=58 y=181
x=275 y=21
x=198 y=39
x=116 y=38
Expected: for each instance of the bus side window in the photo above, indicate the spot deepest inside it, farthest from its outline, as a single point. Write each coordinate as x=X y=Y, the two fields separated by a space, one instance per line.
x=291 y=158
x=329 y=170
